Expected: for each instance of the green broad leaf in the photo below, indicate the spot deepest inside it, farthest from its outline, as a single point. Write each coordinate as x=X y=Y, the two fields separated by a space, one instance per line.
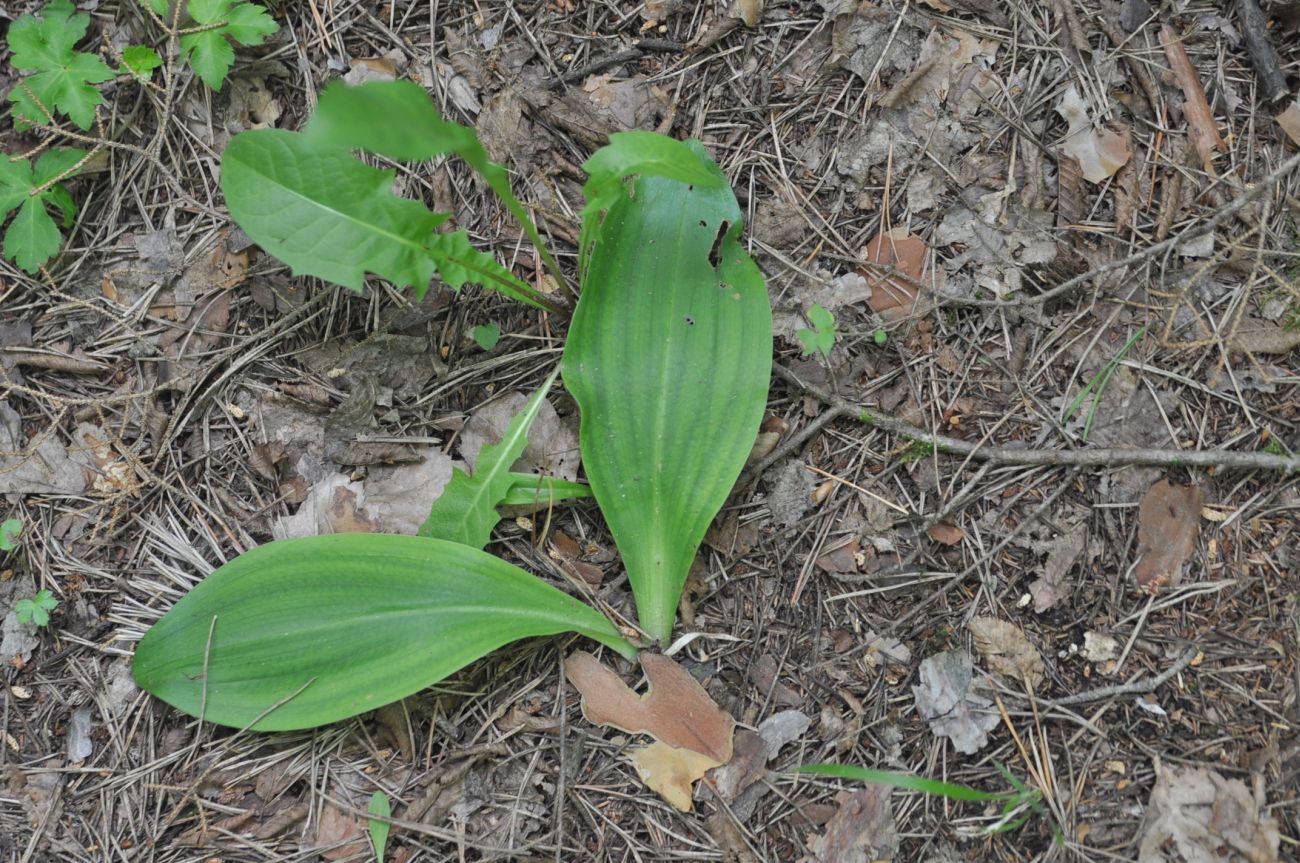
x=637 y=153
x=398 y=119
x=140 y=60
x=528 y=489
x=324 y=213
x=647 y=154
x=380 y=806
x=209 y=51
x=909 y=781
x=61 y=78
x=466 y=511
x=669 y=356
x=486 y=336
x=303 y=632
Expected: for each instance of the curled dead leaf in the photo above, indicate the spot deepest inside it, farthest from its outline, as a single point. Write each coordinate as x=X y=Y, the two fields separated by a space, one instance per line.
x=1100 y=152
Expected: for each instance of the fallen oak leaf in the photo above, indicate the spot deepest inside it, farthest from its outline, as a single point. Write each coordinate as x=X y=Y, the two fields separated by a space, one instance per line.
x=675 y=710
x=671 y=771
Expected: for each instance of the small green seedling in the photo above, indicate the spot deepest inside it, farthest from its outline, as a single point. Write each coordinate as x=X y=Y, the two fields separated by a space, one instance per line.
x=58 y=81
x=139 y=61
x=821 y=338
x=380 y=806
x=1018 y=804
x=10 y=529
x=308 y=630
x=880 y=337
x=206 y=45
x=33 y=237
x=36 y=611
x=486 y=336
x=1098 y=383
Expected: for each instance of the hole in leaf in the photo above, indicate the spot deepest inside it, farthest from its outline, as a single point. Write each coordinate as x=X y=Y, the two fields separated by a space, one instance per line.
x=690 y=321
x=715 y=260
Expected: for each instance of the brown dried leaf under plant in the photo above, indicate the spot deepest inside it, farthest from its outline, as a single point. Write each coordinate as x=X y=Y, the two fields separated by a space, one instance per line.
x=1217 y=653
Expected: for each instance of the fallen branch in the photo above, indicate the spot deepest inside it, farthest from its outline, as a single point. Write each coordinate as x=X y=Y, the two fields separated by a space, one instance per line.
x=1263 y=56
x=1108 y=457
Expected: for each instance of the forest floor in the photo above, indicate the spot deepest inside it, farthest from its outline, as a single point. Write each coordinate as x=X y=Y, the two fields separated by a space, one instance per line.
x=1044 y=230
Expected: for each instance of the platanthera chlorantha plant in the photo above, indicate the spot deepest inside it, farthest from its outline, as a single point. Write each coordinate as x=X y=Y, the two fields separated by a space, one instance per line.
x=668 y=355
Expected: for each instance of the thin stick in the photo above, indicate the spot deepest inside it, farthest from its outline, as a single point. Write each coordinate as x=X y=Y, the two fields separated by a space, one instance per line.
x=1108 y=457
x=1137 y=687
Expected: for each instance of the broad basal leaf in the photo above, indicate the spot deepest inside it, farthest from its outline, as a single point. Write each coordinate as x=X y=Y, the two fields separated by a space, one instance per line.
x=637 y=153
x=33 y=237
x=303 y=632
x=324 y=213
x=668 y=355
x=397 y=119
x=466 y=511
x=61 y=78
x=208 y=50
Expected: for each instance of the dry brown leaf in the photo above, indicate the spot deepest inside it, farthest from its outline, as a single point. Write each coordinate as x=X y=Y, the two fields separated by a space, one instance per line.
x=749 y=11
x=946 y=534
x=1048 y=589
x=1006 y=649
x=1168 y=525
x=1265 y=338
x=1100 y=152
x=675 y=709
x=670 y=771
x=1201 y=127
x=861 y=831
x=1289 y=120
x=841 y=559
x=894 y=298
x=1198 y=816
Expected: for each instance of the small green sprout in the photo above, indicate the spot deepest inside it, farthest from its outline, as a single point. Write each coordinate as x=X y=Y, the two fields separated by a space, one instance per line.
x=880 y=337
x=486 y=336
x=821 y=338
x=140 y=61
x=10 y=528
x=380 y=806
x=36 y=610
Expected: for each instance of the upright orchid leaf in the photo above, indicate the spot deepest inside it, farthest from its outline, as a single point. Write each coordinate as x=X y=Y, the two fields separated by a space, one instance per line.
x=302 y=632
x=668 y=356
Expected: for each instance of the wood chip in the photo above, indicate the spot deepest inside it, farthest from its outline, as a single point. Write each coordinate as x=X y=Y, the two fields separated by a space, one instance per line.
x=1201 y=127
